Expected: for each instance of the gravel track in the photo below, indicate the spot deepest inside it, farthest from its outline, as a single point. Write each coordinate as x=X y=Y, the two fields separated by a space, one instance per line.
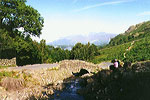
x=43 y=66
x=34 y=67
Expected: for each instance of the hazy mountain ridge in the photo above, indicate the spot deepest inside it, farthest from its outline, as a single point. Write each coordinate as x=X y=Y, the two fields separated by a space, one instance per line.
x=95 y=38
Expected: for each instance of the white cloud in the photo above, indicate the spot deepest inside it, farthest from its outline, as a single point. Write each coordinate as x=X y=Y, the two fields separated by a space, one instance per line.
x=146 y=13
x=101 y=4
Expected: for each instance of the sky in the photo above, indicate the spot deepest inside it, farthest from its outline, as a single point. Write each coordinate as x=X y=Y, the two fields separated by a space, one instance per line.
x=73 y=17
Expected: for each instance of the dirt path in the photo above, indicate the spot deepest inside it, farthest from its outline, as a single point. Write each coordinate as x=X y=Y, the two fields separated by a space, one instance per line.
x=129 y=48
x=105 y=65
x=34 y=67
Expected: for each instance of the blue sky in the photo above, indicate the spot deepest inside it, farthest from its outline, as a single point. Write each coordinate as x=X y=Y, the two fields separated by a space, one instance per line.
x=66 y=17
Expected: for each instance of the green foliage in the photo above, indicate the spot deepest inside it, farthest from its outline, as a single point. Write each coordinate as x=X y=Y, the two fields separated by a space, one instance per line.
x=110 y=53
x=140 y=51
x=18 y=22
x=27 y=52
x=84 y=52
x=6 y=45
x=15 y=14
x=8 y=74
x=118 y=46
x=57 y=54
x=136 y=32
x=44 y=50
x=23 y=48
x=5 y=39
x=7 y=66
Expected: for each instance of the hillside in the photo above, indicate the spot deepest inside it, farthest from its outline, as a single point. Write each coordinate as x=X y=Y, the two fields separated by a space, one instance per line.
x=140 y=50
x=134 y=32
x=133 y=45
x=110 y=53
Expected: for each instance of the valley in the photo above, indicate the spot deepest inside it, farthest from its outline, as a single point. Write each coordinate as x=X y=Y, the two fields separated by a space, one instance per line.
x=77 y=56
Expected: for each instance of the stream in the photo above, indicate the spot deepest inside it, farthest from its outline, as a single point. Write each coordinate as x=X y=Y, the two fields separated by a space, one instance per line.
x=69 y=93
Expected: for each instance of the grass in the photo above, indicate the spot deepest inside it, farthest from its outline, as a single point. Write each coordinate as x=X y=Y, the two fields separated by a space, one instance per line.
x=8 y=74
x=53 y=68
x=110 y=53
x=1 y=67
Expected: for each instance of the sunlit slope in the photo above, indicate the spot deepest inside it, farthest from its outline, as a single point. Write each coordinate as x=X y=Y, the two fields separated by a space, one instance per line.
x=134 y=32
x=113 y=52
x=140 y=50
x=133 y=45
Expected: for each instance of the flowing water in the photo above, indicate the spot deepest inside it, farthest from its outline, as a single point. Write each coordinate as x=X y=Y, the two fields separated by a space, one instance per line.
x=69 y=93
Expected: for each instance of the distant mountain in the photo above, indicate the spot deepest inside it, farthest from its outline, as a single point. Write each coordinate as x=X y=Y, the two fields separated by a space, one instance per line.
x=95 y=38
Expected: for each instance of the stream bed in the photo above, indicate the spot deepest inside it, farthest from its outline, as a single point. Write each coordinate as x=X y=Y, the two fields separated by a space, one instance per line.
x=70 y=91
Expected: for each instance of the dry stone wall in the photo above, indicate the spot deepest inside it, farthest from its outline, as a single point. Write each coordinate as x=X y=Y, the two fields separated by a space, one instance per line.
x=8 y=62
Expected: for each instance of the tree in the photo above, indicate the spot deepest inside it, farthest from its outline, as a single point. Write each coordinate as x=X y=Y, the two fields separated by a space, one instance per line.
x=84 y=52
x=18 y=22
x=76 y=52
x=5 y=39
x=93 y=51
x=16 y=16
x=6 y=45
x=43 y=50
